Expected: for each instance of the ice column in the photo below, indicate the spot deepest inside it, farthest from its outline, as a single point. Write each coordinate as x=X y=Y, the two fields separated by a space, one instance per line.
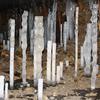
x=30 y=28
x=6 y=91
x=38 y=48
x=94 y=44
x=58 y=76
x=32 y=41
x=49 y=56
x=2 y=78
x=40 y=89
x=87 y=50
x=65 y=35
x=61 y=70
x=12 y=44
x=61 y=35
x=54 y=63
x=82 y=57
x=76 y=41
x=24 y=46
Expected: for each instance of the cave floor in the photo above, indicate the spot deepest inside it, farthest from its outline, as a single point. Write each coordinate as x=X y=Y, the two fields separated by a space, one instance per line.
x=68 y=89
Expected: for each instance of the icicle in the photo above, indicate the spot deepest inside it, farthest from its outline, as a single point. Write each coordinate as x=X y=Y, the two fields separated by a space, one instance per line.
x=58 y=74
x=61 y=35
x=20 y=37
x=49 y=53
x=45 y=32
x=82 y=57
x=70 y=10
x=49 y=27
x=32 y=42
x=4 y=44
x=65 y=35
x=8 y=45
x=61 y=70
x=76 y=41
x=30 y=28
x=54 y=63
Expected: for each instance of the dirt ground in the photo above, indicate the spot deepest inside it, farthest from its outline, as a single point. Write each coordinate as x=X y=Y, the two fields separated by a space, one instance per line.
x=69 y=87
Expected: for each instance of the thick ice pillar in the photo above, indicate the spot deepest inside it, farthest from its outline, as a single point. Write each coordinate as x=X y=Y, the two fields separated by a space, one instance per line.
x=87 y=50
x=76 y=41
x=49 y=56
x=24 y=45
x=12 y=44
x=38 y=48
x=94 y=18
x=2 y=79
x=54 y=63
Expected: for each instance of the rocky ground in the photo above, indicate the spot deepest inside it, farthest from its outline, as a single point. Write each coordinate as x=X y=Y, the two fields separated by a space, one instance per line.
x=69 y=87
